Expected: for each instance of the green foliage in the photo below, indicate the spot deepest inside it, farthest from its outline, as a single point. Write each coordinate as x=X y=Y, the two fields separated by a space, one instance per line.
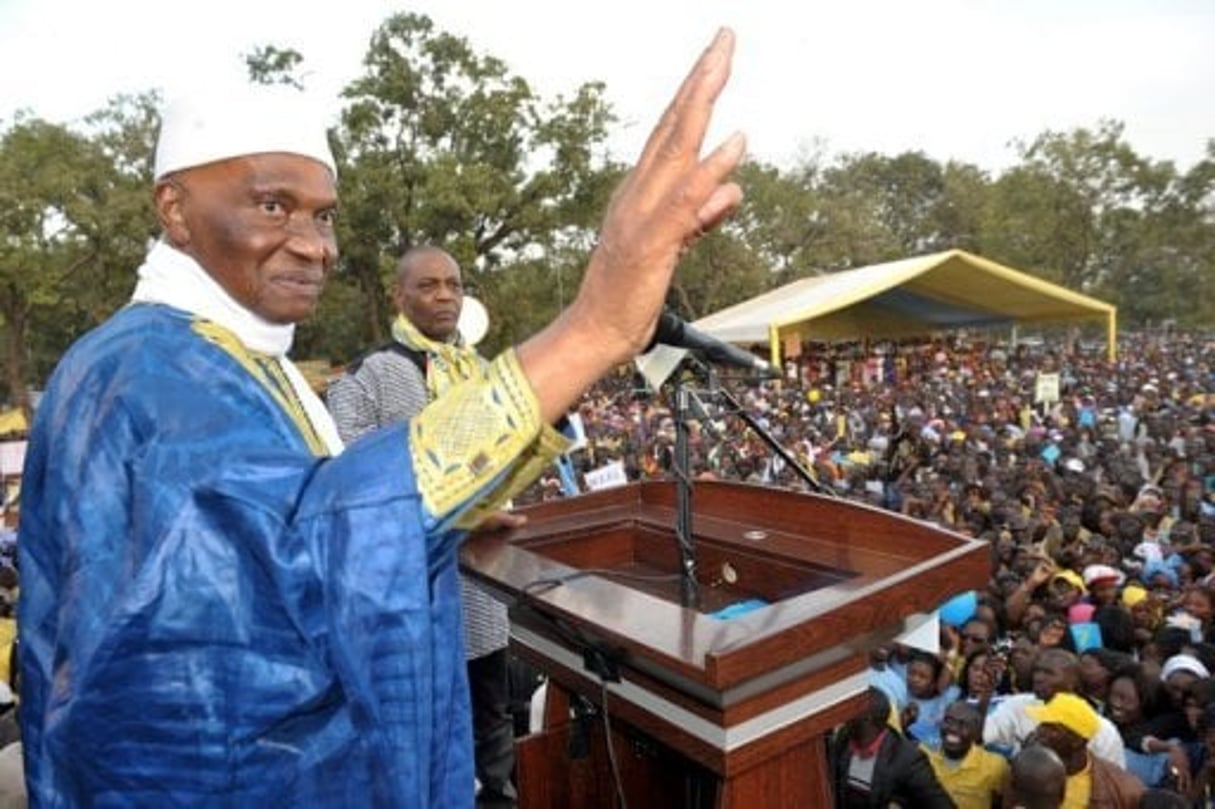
x=271 y=65
x=440 y=144
x=75 y=217
x=444 y=146
x=1085 y=210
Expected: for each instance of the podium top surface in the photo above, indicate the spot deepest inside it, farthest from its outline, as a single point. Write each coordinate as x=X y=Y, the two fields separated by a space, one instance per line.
x=832 y=577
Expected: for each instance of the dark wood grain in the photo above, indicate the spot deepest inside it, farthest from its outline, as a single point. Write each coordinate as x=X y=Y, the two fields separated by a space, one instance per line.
x=747 y=701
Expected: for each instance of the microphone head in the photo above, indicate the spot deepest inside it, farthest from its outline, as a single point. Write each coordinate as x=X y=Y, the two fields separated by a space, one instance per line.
x=766 y=370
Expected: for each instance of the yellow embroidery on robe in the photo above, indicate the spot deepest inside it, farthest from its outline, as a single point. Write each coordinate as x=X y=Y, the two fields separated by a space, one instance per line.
x=486 y=430
x=268 y=371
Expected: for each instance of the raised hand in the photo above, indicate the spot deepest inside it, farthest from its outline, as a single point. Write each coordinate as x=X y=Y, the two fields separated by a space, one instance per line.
x=670 y=198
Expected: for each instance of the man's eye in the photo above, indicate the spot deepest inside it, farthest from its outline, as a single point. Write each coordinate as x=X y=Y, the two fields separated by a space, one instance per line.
x=328 y=217
x=271 y=206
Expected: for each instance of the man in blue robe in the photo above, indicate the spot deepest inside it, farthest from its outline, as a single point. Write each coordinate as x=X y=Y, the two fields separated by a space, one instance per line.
x=219 y=604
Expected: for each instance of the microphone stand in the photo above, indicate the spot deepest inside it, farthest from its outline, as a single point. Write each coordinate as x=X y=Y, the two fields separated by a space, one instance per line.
x=682 y=465
x=688 y=588
x=737 y=409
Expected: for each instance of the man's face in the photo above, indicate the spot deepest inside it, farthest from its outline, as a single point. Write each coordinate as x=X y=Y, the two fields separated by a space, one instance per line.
x=958 y=730
x=920 y=680
x=262 y=226
x=1063 y=594
x=1058 y=738
x=976 y=635
x=1051 y=675
x=430 y=293
x=1105 y=592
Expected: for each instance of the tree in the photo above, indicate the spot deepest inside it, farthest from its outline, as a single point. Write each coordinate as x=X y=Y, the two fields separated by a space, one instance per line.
x=895 y=198
x=1160 y=256
x=442 y=145
x=272 y=65
x=718 y=272
x=1087 y=211
x=1055 y=210
x=74 y=222
x=782 y=220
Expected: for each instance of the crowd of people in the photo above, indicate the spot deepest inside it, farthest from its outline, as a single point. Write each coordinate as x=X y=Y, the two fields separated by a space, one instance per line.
x=1094 y=483
x=222 y=602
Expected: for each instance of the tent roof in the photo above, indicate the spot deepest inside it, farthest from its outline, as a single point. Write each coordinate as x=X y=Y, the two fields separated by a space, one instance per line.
x=911 y=297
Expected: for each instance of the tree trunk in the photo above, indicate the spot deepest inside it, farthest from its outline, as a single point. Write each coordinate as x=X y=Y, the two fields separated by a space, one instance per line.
x=14 y=350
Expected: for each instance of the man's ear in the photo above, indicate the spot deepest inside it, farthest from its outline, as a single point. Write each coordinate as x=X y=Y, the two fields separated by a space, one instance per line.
x=169 y=198
x=397 y=294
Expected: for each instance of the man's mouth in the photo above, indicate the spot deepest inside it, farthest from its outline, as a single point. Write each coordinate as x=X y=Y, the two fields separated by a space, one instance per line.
x=307 y=284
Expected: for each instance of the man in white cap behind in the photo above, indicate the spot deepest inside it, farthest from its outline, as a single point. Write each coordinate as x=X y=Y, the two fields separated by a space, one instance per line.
x=217 y=607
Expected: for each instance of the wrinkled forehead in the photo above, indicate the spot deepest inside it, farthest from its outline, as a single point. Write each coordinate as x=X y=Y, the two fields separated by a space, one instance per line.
x=428 y=264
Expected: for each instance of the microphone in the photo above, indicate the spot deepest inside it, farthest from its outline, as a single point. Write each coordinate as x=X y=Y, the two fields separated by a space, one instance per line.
x=675 y=331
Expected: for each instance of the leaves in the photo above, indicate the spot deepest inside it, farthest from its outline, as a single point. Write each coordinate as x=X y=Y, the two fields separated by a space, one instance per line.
x=75 y=216
x=440 y=144
x=444 y=146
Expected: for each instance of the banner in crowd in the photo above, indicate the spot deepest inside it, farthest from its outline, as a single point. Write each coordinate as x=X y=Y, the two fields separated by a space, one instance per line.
x=12 y=457
x=605 y=477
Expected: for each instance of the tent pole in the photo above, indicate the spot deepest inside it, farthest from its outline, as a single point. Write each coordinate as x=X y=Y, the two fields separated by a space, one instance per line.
x=774 y=346
x=1111 y=337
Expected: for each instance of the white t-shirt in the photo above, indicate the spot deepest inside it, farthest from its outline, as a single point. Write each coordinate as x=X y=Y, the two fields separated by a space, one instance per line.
x=1009 y=725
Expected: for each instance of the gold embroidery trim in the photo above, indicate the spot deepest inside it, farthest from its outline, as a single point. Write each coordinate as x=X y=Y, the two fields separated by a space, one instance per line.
x=473 y=434
x=269 y=374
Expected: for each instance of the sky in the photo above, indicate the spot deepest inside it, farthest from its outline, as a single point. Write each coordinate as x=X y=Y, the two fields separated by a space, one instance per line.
x=956 y=79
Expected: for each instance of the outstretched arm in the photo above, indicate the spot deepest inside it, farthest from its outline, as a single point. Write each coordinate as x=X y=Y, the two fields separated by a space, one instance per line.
x=483 y=441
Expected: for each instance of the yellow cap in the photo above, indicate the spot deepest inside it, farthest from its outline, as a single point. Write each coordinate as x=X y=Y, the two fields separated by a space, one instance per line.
x=1070 y=711
x=1132 y=594
x=1072 y=578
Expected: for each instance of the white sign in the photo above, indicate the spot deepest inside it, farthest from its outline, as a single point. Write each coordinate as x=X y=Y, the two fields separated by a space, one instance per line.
x=926 y=636
x=1047 y=389
x=579 y=431
x=12 y=457
x=659 y=363
x=605 y=477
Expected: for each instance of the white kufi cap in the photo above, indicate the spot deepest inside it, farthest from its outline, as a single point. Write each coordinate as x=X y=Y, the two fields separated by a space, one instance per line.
x=208 y=127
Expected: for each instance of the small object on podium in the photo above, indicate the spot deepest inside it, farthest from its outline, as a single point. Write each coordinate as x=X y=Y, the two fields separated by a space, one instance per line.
x=738 y=608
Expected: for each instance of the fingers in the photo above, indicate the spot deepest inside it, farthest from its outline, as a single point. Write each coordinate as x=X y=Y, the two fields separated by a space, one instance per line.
x=723 y=199
x=682 y=126
x=502 y=521
x=663 y=204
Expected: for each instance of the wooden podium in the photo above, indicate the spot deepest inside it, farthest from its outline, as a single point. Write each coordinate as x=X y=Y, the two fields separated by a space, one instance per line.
x=703 y=711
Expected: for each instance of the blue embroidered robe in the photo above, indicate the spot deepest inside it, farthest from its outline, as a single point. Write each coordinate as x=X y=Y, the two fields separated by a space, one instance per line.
x=210 y=614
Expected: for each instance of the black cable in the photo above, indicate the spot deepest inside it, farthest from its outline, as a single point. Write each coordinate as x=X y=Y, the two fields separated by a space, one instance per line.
x=544 y=585
x=599 y=660
x=611 y=748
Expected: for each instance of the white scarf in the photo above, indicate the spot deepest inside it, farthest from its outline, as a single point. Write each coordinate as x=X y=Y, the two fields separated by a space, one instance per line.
x=170 y=277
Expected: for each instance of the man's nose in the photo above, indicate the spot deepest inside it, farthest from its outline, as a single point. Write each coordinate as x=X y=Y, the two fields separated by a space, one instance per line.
x=312 y=240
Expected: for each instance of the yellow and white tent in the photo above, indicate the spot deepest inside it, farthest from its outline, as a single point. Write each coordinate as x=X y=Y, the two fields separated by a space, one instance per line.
x=13 y=421
x=907 y=298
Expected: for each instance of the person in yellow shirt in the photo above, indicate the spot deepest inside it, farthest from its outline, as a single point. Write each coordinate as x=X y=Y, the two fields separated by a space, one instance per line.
x=973 y=777
x=1066 y=724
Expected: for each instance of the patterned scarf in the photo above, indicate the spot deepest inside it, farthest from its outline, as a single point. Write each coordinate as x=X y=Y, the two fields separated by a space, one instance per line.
x=447 y=364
